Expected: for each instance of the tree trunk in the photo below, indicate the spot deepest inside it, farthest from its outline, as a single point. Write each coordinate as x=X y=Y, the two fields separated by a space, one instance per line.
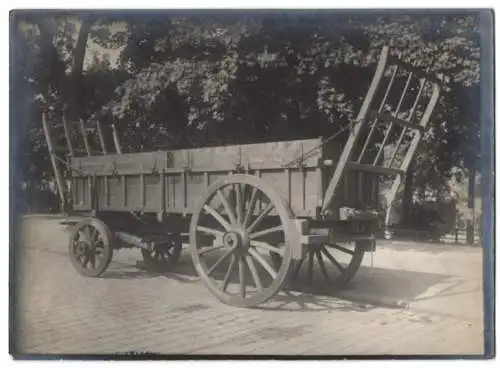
x=470 y=203
x=407 y=196
x=77 y=66
x=80 y=47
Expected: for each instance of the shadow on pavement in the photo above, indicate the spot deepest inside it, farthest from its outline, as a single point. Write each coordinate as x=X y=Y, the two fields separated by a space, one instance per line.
x=182 y=272
x=389 y=287
x=293 y=301
x=371 y=286
x=374 y=286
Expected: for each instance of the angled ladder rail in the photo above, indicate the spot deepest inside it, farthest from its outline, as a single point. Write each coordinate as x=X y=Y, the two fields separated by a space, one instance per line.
x=409 y=109
x=64 y=190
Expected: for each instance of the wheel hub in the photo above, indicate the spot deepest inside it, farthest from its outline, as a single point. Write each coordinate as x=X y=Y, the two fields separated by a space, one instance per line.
x=237 y=240
x=82 y=248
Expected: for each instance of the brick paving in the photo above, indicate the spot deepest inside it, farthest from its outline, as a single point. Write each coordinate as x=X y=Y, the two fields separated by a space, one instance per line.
x=61 y=312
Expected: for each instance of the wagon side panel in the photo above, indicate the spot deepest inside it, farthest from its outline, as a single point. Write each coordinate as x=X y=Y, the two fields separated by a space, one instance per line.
x=173 y=181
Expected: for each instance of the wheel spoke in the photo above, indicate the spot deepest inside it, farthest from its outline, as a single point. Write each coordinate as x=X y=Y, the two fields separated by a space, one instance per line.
x=267 y=247
x=209 y=249
x=310 y=267
x=86 y=260
x=331 y=259
x=259 y=218
x=217 y=216
x=250 y=208
x=98 y=250
x=255 y=274
x=228 y=274
x=98 y=257
x=266 y=231
x=170 y=250
x=163 y=258
x=241 y=267
x=222 y=259
x=94 y=236
x=342 y=249
x=239 y=204
x=297 y=269
x=227 y=207
x=208 y=230
x=92 y=259
x=87 y=235
x=322 y=266
x=263 y=262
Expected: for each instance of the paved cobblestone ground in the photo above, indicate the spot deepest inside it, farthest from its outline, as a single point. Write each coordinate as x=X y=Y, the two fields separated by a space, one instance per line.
x=61 y=312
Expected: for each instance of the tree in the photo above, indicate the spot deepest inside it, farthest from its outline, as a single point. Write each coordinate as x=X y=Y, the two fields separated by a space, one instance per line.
x=209 y=79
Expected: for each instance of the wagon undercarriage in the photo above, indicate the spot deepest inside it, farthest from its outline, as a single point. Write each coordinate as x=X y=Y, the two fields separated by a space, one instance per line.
x=258 y=217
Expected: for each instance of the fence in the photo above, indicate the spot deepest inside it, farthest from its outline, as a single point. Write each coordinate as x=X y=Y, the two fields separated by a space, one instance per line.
x=455 y=236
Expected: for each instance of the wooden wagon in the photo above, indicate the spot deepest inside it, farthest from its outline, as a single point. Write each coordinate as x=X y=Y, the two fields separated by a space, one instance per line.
x=255 y=213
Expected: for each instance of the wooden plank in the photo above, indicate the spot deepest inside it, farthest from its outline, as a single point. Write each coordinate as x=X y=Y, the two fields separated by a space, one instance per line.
x=162 y=192
x=143 y=190
x=124 y=190
x=304 y=178
x=90 y=191
x=85 y=138
x=116 y=140
x=254 y=156
x=184 y=188
x=68 y=137
x=101 y=137
x=106 y=192
x=288 y=185
x=205 y=179
x=52 y=154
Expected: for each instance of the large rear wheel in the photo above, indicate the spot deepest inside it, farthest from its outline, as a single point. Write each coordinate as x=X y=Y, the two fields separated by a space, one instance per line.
x=237 y=225
x=326 y=267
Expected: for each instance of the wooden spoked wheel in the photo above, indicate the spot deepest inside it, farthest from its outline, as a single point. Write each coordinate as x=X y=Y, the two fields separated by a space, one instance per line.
x=328 y=267
x=90 y=247
x=163 y=254
x=237 y=224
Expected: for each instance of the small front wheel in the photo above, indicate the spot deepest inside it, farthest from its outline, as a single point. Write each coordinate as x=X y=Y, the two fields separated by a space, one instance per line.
x=90 y=247
x=164 y=254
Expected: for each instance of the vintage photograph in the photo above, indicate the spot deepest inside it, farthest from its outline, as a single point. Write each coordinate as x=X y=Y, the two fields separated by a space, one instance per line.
x=251 y=183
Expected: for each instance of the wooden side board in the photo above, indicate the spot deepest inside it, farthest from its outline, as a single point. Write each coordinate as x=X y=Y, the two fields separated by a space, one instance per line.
x=173 y=181
x=179 y=192
x=254 y=156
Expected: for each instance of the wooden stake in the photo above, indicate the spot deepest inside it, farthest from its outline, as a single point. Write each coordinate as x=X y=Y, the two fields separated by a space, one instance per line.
x=85 y=139
x=57 y=173
x=116 y=140
x=66 y=134
x=101 y=138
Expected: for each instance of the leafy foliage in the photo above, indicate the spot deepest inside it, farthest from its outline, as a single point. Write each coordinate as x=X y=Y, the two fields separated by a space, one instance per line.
x=208 y=79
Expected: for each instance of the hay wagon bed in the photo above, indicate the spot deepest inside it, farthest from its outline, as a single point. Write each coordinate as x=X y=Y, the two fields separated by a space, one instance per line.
x=257 y=213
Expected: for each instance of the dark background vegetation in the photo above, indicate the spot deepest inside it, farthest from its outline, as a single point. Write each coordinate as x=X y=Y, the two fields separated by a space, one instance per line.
x=178 y=79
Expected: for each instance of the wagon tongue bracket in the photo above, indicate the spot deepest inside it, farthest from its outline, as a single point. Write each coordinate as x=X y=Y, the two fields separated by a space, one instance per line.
x=137 y=241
